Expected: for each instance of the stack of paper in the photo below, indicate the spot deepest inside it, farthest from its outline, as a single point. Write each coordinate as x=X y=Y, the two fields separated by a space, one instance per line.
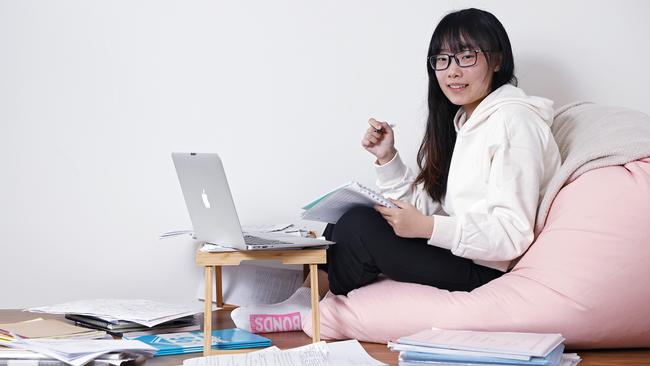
x=78 y=352
x=145 y=312
x=9 y=356
x=121 y=327
x=457 y=347
x=47 y=328
x=189 y=342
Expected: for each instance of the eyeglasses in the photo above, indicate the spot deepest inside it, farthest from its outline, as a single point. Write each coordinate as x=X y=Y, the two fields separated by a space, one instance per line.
x=463 y=59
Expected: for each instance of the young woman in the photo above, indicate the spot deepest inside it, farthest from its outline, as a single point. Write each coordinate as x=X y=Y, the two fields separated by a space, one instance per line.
x=484 y=163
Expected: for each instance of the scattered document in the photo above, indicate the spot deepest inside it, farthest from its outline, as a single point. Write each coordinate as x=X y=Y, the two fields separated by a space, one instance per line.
x=145 y=312
x=249 y=284
x=349 y=353
x=313 y=354
x=246 y=229
x=270 y=358
x=79 y=352
x=332 y=205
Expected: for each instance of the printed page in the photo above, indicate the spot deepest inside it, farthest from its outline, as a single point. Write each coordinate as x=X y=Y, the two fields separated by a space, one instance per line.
x=247 y=359
x=312 y=355
x=249 y=284
x=350 y=353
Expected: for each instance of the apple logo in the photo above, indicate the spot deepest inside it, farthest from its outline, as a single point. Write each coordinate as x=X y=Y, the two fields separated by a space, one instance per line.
x=204 y=196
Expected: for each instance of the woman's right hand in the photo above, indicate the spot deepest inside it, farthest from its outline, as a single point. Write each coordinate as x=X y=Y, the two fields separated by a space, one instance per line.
x=380 y=144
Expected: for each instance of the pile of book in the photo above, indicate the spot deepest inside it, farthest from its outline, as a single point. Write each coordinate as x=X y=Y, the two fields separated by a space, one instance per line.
x=125 y=327
x=53 y=342
x=120 y=316
x=458 y=347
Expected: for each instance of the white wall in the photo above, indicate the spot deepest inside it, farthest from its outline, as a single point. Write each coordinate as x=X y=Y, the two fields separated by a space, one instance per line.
x=94 y=95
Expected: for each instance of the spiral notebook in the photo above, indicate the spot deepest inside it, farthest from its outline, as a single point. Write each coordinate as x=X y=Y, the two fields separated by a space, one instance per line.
x=332 y=205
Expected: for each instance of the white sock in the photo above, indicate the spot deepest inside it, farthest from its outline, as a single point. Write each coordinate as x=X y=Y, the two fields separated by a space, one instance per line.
x=281 y=317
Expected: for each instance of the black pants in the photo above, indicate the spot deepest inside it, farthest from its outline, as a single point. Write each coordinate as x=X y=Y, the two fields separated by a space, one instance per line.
x=366 y=246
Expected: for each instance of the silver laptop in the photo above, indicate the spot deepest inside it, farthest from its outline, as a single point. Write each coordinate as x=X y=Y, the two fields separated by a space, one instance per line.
x=212 y=210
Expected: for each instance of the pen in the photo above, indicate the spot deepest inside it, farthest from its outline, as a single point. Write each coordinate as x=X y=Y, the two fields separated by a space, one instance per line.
x=381 y=130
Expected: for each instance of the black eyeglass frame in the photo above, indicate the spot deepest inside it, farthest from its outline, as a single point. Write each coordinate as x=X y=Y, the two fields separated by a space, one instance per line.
x=432 y=61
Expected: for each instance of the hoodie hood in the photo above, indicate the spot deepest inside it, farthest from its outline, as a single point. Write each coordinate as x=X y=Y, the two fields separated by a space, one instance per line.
x=505 y=95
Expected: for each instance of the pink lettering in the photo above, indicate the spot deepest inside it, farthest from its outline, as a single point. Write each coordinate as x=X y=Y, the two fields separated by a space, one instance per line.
x=286 y=323
x=267 y=323
x=257 y=324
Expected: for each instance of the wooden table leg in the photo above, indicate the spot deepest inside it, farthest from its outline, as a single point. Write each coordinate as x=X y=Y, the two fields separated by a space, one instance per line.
x=219 y=286
x=207 y=313
x=313 y=273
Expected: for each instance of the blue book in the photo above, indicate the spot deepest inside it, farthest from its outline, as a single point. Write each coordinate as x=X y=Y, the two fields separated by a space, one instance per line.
x=190 y=342
x=552 y=359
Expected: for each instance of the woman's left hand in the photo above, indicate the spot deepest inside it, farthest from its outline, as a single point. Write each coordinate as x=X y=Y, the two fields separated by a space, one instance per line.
x=406 y=220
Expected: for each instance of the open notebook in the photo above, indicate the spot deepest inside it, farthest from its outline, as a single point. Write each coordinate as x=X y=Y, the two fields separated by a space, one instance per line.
x=332 y=205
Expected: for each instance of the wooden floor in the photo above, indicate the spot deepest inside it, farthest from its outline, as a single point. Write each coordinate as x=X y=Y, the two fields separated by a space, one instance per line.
x=633 y=357
x=221 y=319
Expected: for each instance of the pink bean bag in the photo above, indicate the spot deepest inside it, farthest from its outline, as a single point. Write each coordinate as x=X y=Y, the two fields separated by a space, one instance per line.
x=585 y=276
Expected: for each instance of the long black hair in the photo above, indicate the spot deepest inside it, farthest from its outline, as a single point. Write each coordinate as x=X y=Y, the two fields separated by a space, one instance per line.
x=464 y=29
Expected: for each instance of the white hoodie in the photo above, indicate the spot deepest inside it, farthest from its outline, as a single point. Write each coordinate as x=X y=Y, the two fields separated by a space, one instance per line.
x=503 y=159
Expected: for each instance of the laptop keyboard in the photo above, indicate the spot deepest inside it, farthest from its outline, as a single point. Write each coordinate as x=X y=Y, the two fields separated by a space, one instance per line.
x=257 y=241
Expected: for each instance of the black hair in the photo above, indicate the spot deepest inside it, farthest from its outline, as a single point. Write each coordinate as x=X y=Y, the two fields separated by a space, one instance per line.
x=460 y=30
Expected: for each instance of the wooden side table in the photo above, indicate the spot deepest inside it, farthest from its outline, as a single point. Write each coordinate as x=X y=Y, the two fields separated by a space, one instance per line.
x=212 y=262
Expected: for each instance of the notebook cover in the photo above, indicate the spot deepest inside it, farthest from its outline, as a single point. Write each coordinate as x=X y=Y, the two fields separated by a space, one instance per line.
x=189 y=342
x=553 y=359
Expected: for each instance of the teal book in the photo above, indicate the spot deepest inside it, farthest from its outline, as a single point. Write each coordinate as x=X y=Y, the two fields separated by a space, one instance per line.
x=190 y=342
